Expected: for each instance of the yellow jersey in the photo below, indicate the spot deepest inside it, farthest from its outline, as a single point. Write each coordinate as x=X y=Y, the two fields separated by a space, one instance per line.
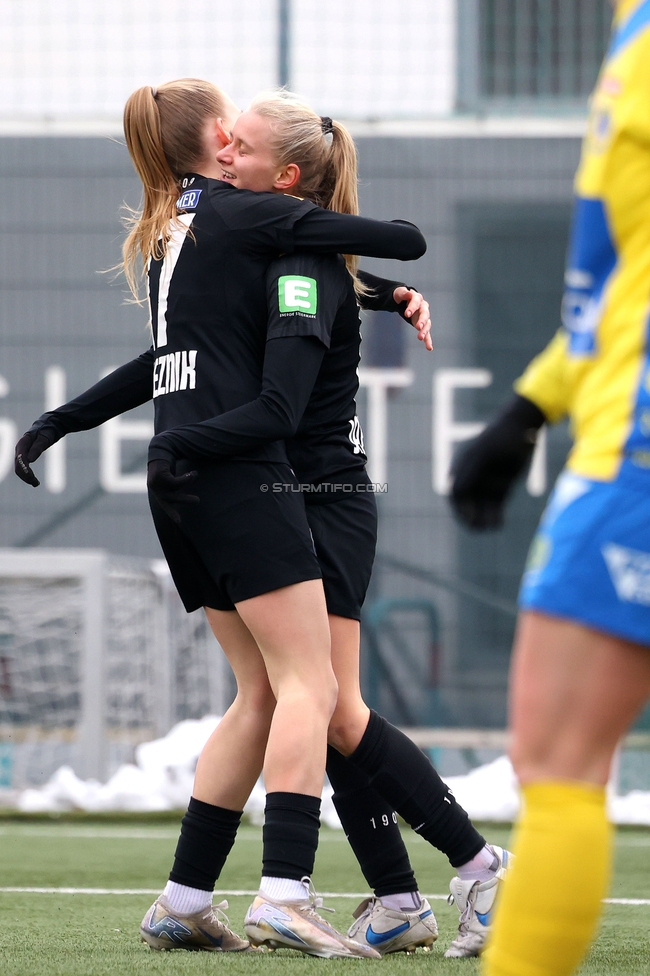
x=597 y=368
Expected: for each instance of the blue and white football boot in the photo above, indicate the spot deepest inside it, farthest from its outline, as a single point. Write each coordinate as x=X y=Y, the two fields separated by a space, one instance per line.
x=475 y=901
x=388 y=930
x=208 y=930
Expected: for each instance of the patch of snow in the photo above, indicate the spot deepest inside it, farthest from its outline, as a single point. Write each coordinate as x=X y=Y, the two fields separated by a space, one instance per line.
x=633 y=808
x=160 y=779
x=488 y=792
x=163 y=773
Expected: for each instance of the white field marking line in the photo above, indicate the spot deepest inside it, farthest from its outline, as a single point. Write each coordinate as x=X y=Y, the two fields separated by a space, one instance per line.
x=626 y=901
x=101 y=833
x=127 y=833
x=80 y=833
x=244 y=892
x=141 y=833
x=256 y=837
x=232 y=893
x=81 y=891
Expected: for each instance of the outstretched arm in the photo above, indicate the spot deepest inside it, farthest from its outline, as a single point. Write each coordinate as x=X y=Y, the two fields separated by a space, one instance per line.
x=126 y=387
x=485 y=472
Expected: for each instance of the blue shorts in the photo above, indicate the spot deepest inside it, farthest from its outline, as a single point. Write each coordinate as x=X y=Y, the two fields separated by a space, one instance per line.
x=590 y=559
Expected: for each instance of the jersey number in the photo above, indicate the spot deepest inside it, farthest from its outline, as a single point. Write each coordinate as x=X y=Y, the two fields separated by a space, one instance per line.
x=356 y=437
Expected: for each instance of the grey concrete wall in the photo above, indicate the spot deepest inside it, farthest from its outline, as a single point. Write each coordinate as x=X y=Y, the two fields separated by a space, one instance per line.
x=495 y=214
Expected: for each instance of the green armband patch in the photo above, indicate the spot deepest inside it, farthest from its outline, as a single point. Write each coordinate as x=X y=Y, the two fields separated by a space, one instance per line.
x=297 y=294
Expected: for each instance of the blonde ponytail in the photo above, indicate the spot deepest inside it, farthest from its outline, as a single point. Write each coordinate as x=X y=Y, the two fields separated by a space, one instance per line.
x=344 y=182
x=164 y=135
x=323 y=150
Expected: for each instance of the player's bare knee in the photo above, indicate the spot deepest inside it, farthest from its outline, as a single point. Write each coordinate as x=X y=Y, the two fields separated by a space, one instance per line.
x=316 y=692
x=327 y=694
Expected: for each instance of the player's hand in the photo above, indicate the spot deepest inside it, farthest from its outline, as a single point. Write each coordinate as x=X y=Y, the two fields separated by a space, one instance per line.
x=486 y=470
x=28 y=449
x=169 y=489
x=417 y=312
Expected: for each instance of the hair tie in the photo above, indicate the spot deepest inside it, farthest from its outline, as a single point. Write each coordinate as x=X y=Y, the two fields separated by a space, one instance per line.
x=326 y=125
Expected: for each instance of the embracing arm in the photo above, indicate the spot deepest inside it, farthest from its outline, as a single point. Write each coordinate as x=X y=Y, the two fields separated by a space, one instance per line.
x=383 y=295
x=325 y=231
x=380 y=293
x=291 y=365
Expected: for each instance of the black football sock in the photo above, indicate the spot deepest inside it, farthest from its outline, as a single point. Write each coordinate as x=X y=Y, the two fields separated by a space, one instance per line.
x=290 y=835
x=370 y=825
x=207 y=836
x=407 y=780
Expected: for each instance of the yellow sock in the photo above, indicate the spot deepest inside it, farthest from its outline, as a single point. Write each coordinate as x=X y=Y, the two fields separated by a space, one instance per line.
x=549 y=908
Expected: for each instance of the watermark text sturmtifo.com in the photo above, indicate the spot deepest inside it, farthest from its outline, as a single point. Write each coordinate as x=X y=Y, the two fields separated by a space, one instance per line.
x=327 y=487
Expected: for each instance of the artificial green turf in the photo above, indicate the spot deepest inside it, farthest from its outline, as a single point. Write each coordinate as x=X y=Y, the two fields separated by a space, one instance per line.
x=146 y=818
x=139 y=857
x=96 y=935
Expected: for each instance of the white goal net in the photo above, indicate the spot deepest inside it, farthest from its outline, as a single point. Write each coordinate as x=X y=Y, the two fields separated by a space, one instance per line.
x=97 y=655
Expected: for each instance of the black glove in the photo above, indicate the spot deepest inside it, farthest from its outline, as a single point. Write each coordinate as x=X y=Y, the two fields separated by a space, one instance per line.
x=485 y=471
x=169 y=490
x=28 y=449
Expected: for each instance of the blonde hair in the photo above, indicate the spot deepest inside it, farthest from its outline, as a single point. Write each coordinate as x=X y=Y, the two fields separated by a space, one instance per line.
x=164 y=135
x=328 y=168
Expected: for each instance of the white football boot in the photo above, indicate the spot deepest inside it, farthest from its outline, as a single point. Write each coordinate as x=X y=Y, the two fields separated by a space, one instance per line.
x=297 y=925
x=389 y=930
x=475 y=901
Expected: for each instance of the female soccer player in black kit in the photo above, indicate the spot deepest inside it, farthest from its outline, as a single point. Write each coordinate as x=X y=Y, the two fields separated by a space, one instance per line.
x=327 y=446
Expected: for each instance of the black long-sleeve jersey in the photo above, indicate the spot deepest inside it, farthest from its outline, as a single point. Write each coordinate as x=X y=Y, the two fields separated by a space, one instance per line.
x=208 y=294
x=196 y=302
x=309 y=381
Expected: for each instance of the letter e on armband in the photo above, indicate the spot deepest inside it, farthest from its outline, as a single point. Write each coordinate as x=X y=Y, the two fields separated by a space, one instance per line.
x=297 y=294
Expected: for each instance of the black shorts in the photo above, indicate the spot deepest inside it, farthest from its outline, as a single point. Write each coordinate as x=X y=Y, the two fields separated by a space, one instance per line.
x=345 y=538
x=239 y=541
